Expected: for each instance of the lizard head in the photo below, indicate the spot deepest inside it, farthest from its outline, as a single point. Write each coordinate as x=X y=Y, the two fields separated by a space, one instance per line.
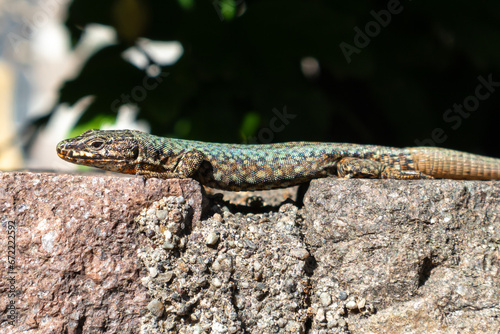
x=110 y=150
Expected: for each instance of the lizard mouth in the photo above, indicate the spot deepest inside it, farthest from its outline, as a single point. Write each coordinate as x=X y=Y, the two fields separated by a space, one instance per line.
x=91 y=159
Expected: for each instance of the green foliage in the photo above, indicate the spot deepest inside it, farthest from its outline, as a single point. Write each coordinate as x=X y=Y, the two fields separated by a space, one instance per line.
x=250 y=125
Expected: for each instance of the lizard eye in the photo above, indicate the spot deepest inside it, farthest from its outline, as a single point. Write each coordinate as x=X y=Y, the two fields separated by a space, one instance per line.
x=97 y=145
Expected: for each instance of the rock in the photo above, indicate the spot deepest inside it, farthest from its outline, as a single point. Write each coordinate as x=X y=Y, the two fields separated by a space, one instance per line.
x=418 y=255
x=351 y=305
x=423 y=254
x=300 y=253
x=76 y=244
x=156 y=308
x=212 y=238
x=325 y=299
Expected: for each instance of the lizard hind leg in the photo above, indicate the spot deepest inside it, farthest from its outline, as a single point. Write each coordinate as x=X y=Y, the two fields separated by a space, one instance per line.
x=359 y=168
x=365 y=168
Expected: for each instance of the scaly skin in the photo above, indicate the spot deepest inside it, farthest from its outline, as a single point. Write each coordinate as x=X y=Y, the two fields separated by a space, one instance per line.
x=253 y=167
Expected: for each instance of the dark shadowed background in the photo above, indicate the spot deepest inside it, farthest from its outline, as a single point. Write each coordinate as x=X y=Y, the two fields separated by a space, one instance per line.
x=399 y=73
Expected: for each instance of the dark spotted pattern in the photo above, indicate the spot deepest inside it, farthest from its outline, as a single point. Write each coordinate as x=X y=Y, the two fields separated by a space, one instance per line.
x=253 y=167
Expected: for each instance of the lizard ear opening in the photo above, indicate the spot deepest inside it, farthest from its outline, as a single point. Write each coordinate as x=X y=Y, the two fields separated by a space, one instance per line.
x=135 y=152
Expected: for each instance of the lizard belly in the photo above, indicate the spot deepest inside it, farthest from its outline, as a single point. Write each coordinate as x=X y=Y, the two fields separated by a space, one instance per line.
x=251 y=174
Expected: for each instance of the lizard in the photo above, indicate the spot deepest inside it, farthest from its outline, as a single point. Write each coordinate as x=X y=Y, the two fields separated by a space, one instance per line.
x=239 y=167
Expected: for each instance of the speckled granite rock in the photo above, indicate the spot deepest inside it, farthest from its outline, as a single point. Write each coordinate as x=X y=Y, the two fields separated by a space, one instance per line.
x=76 y=265
x=234 y=273
x=96 y=254
x=424 y=254
x=362 y=256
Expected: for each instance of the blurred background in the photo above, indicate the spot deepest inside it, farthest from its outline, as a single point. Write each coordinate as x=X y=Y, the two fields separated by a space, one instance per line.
x=395 y=73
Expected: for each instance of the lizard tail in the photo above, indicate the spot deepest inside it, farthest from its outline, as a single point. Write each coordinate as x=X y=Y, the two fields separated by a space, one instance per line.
x=450 y=164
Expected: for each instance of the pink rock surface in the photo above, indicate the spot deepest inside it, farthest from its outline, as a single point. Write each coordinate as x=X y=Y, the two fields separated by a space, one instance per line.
x=75 y=267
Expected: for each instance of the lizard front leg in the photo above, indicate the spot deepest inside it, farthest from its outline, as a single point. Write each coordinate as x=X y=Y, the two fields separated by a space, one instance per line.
x=365 y=168
x=189 y=164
